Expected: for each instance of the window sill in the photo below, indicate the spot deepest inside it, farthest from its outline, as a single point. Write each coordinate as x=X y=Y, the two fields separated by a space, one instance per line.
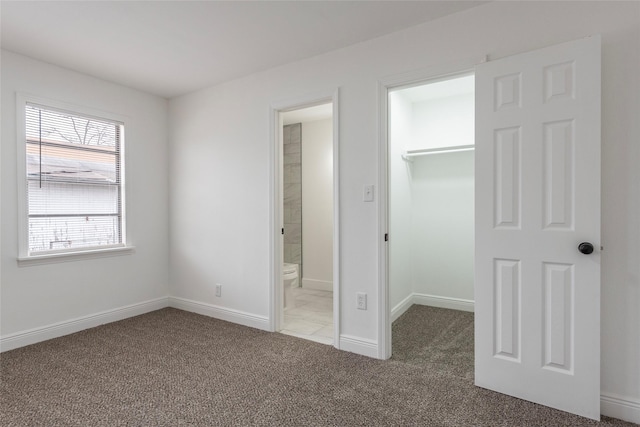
x=74 y=256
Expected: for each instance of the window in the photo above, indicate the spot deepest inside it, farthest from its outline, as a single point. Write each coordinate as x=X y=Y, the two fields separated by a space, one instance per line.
x=74 y=182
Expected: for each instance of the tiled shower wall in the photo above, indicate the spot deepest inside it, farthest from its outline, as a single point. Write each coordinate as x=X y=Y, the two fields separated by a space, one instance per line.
x=292 y=136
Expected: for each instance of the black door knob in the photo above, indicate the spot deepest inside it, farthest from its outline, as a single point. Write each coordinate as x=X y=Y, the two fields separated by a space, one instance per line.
x=586 y=248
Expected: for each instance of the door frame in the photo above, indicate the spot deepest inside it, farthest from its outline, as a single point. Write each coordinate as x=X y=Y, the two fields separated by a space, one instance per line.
x=276 y=295
x=406 y=80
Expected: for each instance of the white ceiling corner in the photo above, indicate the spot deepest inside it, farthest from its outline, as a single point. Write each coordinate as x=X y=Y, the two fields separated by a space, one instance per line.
x=170 y=48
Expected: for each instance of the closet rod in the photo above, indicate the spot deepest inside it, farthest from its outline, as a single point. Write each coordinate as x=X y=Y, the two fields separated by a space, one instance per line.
x=412 y=153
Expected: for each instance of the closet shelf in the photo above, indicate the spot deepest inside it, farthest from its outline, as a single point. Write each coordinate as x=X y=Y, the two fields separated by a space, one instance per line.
x=440 y=150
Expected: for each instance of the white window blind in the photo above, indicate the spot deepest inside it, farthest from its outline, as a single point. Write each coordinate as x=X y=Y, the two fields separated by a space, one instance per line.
x=74 y=181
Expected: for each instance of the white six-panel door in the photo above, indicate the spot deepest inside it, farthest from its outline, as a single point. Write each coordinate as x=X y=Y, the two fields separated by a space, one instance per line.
x=537 y=297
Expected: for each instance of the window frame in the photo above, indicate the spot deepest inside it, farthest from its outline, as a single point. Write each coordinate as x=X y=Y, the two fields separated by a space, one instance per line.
x=24 y=255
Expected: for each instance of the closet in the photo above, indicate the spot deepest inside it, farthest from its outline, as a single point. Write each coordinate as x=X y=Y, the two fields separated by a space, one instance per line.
x=431 y=195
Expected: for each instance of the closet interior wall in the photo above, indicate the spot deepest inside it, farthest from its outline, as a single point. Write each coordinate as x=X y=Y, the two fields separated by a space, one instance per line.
x=431 y=211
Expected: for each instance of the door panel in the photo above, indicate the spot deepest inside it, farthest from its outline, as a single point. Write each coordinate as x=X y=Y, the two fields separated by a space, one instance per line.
x=537 y=198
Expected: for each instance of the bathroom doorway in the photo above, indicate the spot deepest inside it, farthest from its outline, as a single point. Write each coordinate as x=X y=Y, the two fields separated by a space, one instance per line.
x=304 y=303
x=431 y=222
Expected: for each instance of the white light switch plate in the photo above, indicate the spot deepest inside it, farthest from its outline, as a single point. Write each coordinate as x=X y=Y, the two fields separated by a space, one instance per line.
x=367 y=195
x=361 y=301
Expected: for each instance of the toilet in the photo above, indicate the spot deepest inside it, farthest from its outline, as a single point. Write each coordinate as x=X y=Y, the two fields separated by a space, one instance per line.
x=289 y=281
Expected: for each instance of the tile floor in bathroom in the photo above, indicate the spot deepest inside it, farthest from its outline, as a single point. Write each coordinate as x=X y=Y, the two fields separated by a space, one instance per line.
x=311 y=317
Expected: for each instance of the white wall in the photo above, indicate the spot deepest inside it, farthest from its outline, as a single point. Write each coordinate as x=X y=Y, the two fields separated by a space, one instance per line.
x=220 y=148
x=38 y=296
x=443 y=225
x=443 y=198
x=431 y=202
x=400 y=206
x=443 y=122
x=317 y=204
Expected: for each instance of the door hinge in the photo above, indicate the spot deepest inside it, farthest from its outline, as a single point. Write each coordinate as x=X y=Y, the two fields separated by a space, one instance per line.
x=386 y=237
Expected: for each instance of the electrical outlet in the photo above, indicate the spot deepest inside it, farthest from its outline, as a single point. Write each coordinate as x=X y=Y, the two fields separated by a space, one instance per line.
x=361 y=301
x=218 y=290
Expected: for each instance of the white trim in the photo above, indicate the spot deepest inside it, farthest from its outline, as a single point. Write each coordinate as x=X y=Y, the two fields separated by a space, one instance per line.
x=362 y=346
x=276 y=296
x=275 y=193
x=432 y=301
x=222 y=313
x=22 y=99
x=336 y=216
x=444 y=302
x=622 y=407
x=384 y=302
x=21 y=168
x=318 y=285
x=75 y=256
x=431 y=74
x=401 y=307
x=412 y=78
x=69 y=107
x=55 y=330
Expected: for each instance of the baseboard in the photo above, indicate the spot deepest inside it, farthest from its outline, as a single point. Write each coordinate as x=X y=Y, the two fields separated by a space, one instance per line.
x=401 y=307
x=443 y=302
x=358 y=345
x=35 y=335
x=621 y=407
x=318 y=285
x=222 y=313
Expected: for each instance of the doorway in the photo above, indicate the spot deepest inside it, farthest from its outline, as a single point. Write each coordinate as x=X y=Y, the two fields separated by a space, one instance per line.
x=431 y=222
x=537 y=225
x=305 y=302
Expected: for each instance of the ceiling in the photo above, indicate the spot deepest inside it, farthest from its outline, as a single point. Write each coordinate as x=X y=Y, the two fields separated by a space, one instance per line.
x=308 y=114
x=170 y=48
x=445 y=88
